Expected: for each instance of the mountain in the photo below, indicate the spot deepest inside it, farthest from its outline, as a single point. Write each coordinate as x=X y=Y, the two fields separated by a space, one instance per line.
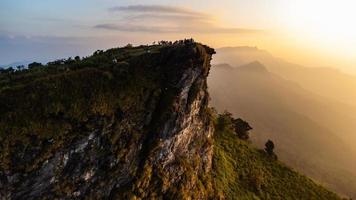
x=292 y=117
x=127 y=123
x=324 y=81
x=337 y=106
x=117 y=124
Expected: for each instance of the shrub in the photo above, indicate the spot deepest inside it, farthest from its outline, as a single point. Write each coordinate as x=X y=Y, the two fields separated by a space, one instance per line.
x=224 y=121
x=241 y=128
x=34 y=65
x=269 y=147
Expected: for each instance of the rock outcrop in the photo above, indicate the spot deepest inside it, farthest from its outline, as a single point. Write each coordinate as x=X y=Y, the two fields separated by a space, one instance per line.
x=122 y=124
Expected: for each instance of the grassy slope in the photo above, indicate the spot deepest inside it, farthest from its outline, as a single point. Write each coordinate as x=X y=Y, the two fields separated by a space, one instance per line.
x=243 y=172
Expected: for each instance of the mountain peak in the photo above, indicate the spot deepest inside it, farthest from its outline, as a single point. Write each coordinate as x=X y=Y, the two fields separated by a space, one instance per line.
x=223 y=66
x=254 y=66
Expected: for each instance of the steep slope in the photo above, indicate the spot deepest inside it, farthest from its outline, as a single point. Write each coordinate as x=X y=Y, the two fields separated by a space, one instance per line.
x=120 y=124
x=127 y=123
x=279 y=110
x=242 y=172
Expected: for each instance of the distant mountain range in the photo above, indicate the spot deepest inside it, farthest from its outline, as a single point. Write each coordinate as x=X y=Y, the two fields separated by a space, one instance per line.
x=15 y=64
x=311 y=125
x=324 y=81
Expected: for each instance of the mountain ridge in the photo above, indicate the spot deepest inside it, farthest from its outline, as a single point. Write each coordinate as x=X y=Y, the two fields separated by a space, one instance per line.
x=130 y=123
x=311 y=78
x=105 y=126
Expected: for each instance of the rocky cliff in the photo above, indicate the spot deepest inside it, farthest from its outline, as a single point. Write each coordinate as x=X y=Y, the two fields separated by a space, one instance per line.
x=130 y=123
x=127 y=123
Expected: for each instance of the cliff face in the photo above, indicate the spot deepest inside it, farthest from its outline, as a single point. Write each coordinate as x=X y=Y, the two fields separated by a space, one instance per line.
x=125 y=123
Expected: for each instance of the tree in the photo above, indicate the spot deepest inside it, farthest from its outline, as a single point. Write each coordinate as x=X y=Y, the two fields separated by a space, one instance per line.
x=10 y=70
x=69 y=61
x=241 y=128
x=77 y=58
x=224 y=121
x=269 y=147
x=2 y=71
x=20 y=67
x=98 y=52
x=34 y=65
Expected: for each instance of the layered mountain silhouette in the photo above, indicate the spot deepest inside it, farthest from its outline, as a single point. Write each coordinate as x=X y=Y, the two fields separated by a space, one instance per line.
x=324 y=81
x=310 y=130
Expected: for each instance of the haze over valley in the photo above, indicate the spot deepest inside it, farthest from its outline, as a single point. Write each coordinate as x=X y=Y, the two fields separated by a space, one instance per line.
x=311 y=119
x=179 y=99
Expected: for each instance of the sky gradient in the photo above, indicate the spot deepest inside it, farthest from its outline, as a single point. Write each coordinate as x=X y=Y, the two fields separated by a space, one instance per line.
x=299 y=31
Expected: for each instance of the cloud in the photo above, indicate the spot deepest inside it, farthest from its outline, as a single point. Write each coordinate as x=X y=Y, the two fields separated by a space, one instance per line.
x=136 y=28
x=167 y=19
x=178 y=29
x=155 y=9
x=155 y=16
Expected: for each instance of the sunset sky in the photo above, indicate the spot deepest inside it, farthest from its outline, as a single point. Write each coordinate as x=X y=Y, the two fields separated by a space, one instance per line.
x=309 y=32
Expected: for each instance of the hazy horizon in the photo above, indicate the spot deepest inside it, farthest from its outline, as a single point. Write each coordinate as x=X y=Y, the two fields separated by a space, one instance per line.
x=301 y=32
x=149 y=118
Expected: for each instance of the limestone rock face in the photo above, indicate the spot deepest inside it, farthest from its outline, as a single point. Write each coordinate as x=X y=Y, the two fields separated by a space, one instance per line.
x=136 y=128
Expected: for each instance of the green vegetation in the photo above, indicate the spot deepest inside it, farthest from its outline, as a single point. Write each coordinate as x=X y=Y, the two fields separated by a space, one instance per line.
x=269 y=147
x=46 y=107
x=243 y=172
x=122 y=96
x=61 y=101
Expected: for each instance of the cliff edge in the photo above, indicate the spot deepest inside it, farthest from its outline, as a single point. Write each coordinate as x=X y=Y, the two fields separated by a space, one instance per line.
x=125 y=123
x=131 y=123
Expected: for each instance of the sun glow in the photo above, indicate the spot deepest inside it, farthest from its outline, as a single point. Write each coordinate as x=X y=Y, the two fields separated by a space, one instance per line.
x=329 y=24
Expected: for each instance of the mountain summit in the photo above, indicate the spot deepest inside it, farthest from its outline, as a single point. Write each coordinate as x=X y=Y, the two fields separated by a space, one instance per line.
x=130 y=123
x=254 y=66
